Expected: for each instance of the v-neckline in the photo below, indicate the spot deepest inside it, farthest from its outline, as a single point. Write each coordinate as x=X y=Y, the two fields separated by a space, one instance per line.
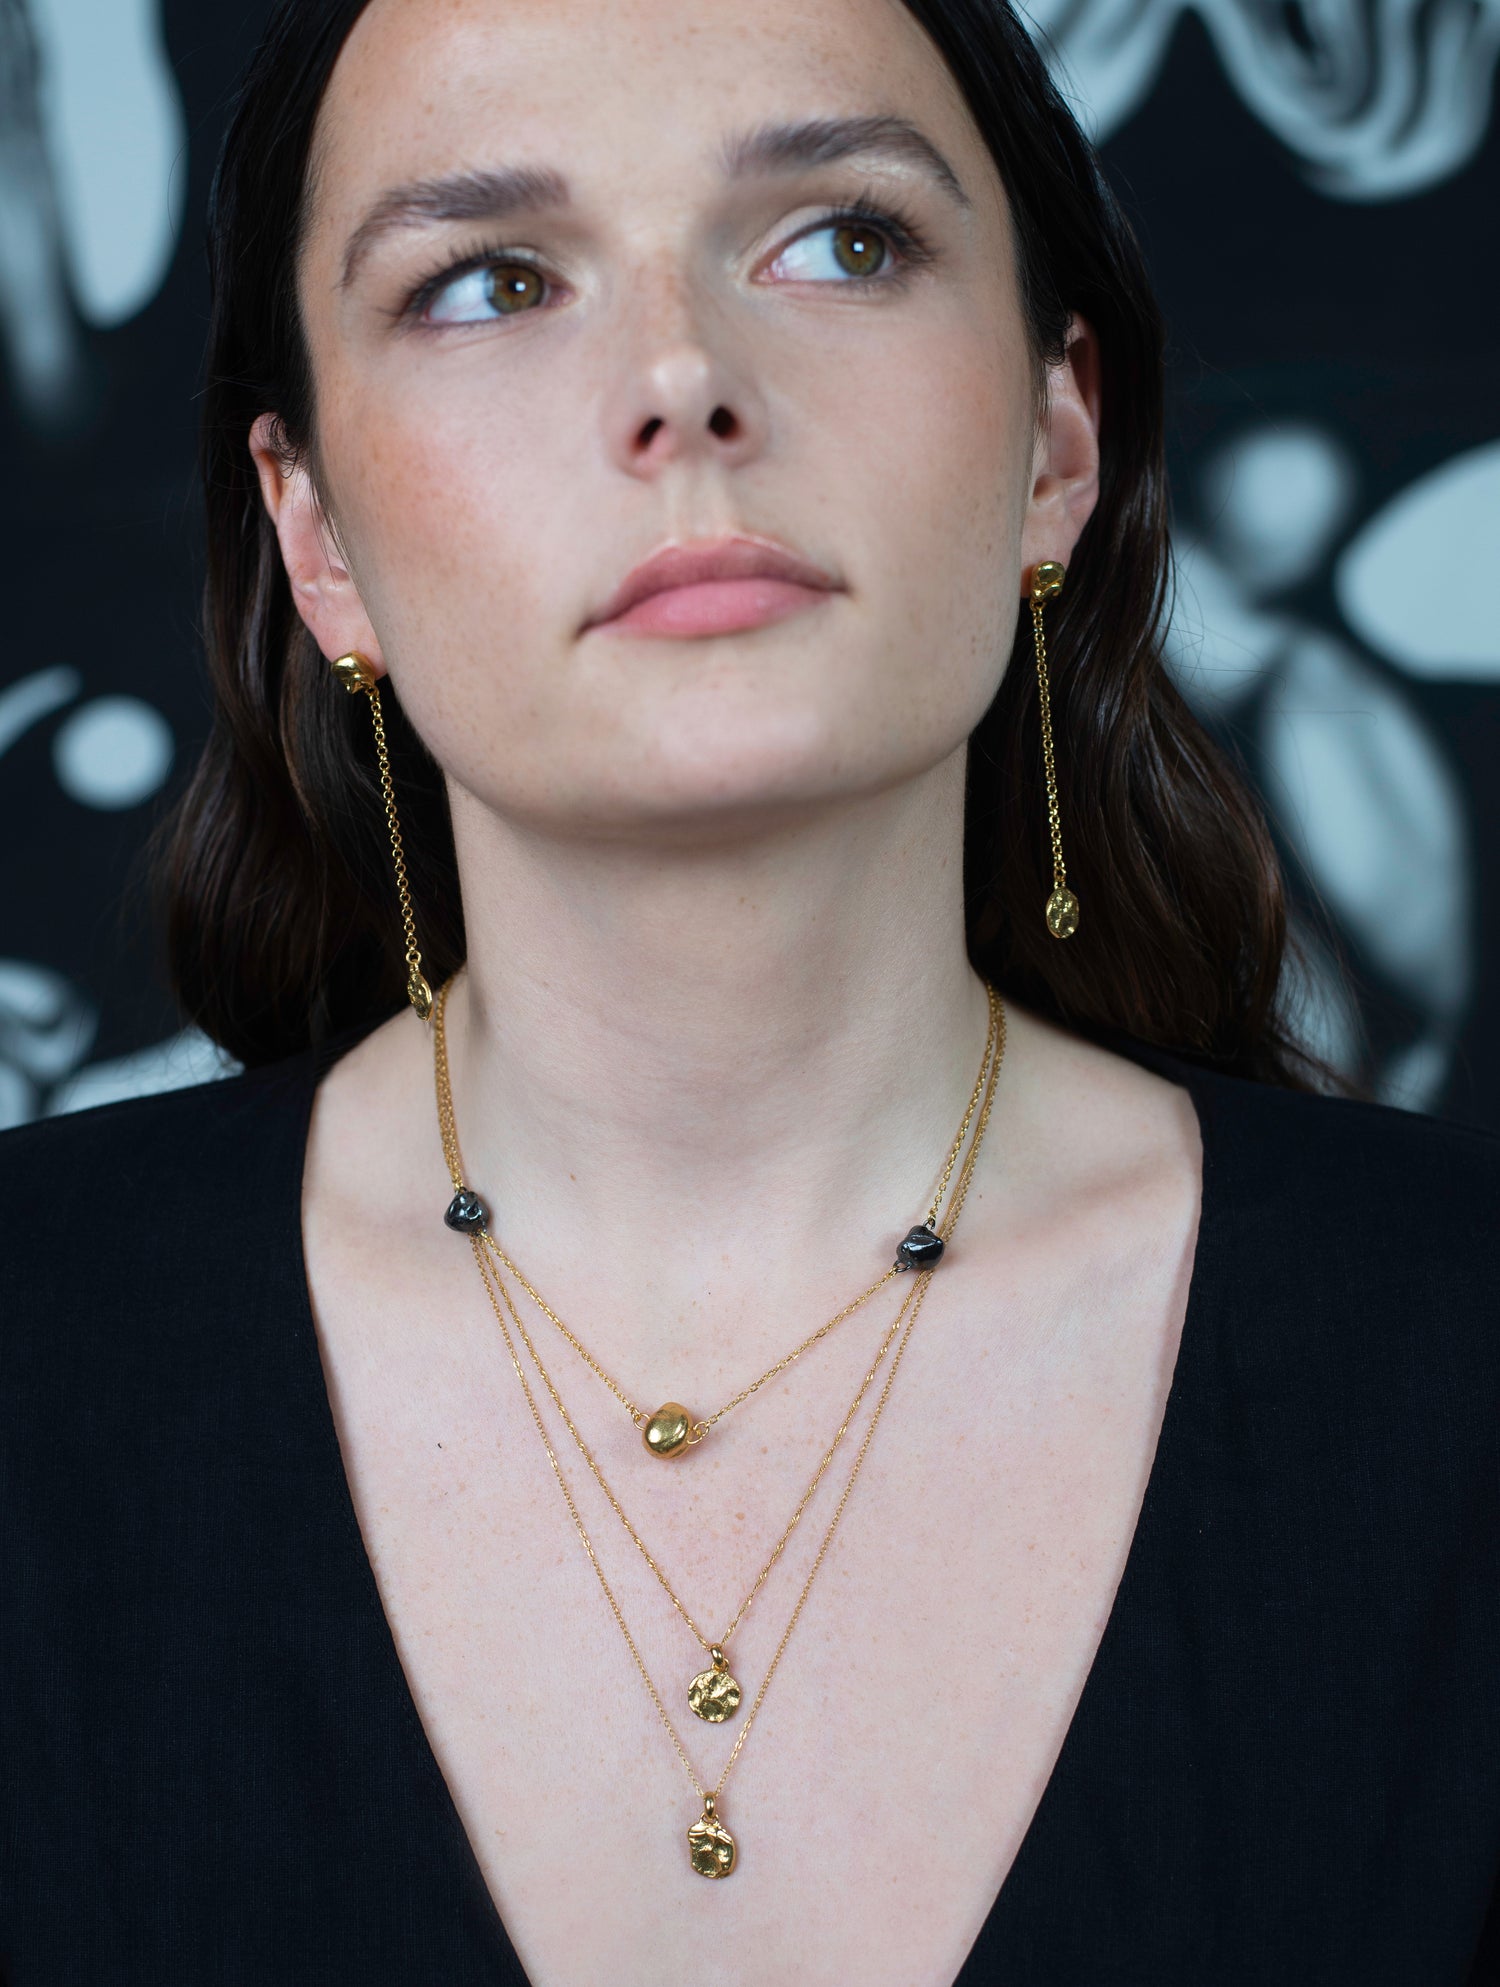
x=986 y=1951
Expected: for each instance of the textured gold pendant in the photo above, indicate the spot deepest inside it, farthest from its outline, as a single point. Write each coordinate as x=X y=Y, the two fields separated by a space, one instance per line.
x=668 y=1429
x=714 y=1694
x=1062 y=914
x=711 y=1848
x=419 y=993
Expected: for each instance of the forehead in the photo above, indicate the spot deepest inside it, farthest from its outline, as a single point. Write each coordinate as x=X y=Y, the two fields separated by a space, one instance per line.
x=619 y=93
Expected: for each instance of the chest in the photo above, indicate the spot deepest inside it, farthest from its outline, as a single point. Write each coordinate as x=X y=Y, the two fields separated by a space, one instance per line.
x=924 y=1690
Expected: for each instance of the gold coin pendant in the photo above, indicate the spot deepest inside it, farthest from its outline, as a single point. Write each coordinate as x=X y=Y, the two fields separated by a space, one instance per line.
x=667 y=1432
x=711 y=1848
x=1062 y=914
x=714 y=1694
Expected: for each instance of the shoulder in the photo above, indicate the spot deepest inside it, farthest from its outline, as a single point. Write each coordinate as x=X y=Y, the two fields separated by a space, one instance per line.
x=107 y=1147
x=117 y=1196
x=1348 y=1253
x=1398 y=1177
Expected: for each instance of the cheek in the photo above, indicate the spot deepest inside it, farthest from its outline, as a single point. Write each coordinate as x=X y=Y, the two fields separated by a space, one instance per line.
x=442 y=507
x=452 y=508
x=943 y=485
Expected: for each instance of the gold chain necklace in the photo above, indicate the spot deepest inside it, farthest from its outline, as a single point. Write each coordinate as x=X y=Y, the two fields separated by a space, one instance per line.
x=714 y=1694
x=712 y=1850
x=672 y=1430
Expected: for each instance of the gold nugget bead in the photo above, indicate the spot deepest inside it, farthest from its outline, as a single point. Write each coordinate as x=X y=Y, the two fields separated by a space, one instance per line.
x=667 y=1432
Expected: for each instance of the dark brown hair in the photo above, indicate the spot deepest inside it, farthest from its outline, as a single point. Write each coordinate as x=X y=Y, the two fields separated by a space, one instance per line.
x=279 y=895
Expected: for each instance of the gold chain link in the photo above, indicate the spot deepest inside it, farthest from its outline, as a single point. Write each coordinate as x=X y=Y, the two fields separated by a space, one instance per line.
x=418 y=991
x=912 y=1302
x=638 y=1414
x=707 y=1643
x=1054 y=823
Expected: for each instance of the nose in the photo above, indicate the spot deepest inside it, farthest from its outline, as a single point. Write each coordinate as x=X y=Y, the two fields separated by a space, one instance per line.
x=722 y=423
x=684 y=401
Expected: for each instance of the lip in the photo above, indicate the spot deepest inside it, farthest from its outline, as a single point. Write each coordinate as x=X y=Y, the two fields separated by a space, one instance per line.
x=722 y=559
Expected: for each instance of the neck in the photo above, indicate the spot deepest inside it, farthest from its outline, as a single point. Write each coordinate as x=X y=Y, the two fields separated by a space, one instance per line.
x=717 y=1069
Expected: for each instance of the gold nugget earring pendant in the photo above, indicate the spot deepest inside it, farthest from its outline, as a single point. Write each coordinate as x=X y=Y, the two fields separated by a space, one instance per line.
x=1061 y=910
x=356 y=675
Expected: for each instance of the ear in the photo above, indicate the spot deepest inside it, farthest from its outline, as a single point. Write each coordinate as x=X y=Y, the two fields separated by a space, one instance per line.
x=1065 y=463
x=322 y=585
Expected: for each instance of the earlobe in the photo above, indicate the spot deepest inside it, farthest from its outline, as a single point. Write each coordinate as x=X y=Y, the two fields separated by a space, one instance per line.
x=322 y=586
x=1065 y=472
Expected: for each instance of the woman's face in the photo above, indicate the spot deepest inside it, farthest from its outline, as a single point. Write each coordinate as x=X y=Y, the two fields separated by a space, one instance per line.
x=690 y=351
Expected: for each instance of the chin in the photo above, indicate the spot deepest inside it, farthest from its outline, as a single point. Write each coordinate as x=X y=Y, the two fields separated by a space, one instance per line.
x=712 y=762
x=701 y=806
x=677 y=799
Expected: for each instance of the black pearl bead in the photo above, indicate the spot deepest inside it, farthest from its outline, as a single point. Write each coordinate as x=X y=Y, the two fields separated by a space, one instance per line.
x=920 y=1248
x=467 y=1212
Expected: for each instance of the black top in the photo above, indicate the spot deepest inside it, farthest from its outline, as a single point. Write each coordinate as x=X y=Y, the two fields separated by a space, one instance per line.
x=1284 y=1768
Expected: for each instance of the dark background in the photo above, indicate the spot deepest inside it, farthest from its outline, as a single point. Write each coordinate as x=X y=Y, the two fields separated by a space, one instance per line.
x=1357 y=324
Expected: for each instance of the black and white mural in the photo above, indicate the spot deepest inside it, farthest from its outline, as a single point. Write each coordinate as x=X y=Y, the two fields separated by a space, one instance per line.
x=1316 y=185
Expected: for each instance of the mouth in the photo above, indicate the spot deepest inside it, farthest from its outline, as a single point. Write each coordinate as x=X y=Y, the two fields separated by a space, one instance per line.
x=714 y=589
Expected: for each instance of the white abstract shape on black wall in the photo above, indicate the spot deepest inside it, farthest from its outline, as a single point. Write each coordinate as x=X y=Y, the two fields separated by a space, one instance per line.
x=113 y=119
x=38 y=334
x=1276 y=499
x=1220 y=644
x=1356 y=783
x=1378 y=99
x=33 y=698
x=1105 y=54
x=1374 y=810
x=113 y=752
x=1319 y=1004
x=171 y=1065
x=1421 y=583
x=46 y=1029
x=92 y=185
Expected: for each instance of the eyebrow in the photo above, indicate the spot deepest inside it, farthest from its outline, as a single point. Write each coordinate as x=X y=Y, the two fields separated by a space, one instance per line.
x=500 y=192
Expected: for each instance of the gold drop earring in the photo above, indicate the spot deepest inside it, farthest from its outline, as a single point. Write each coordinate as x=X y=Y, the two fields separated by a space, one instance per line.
x=355 y=673
x=1061 y=912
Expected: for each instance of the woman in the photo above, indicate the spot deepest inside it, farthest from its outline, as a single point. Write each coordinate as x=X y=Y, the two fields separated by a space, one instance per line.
x=670 y=422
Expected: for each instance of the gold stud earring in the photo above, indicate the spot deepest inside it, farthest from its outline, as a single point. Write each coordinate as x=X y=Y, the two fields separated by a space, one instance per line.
x=355 y=673
x=1061 y=911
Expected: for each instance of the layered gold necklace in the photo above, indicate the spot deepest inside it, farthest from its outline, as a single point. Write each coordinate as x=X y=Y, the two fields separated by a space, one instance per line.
x=672 y=1430
x=713 y=1694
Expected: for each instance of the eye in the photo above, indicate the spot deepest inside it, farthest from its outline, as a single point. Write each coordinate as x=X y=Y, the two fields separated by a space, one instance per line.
x=482 y=293
x=860 y=247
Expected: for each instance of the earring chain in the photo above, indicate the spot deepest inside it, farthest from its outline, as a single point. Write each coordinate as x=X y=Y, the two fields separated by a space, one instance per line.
x=417 y=990
x=1049 y=763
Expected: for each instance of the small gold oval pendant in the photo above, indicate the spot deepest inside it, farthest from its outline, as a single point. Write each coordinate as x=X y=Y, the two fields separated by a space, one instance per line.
x=714 y=1694
x=666 y=1433
x=711 y=1848
x=1062 y=914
